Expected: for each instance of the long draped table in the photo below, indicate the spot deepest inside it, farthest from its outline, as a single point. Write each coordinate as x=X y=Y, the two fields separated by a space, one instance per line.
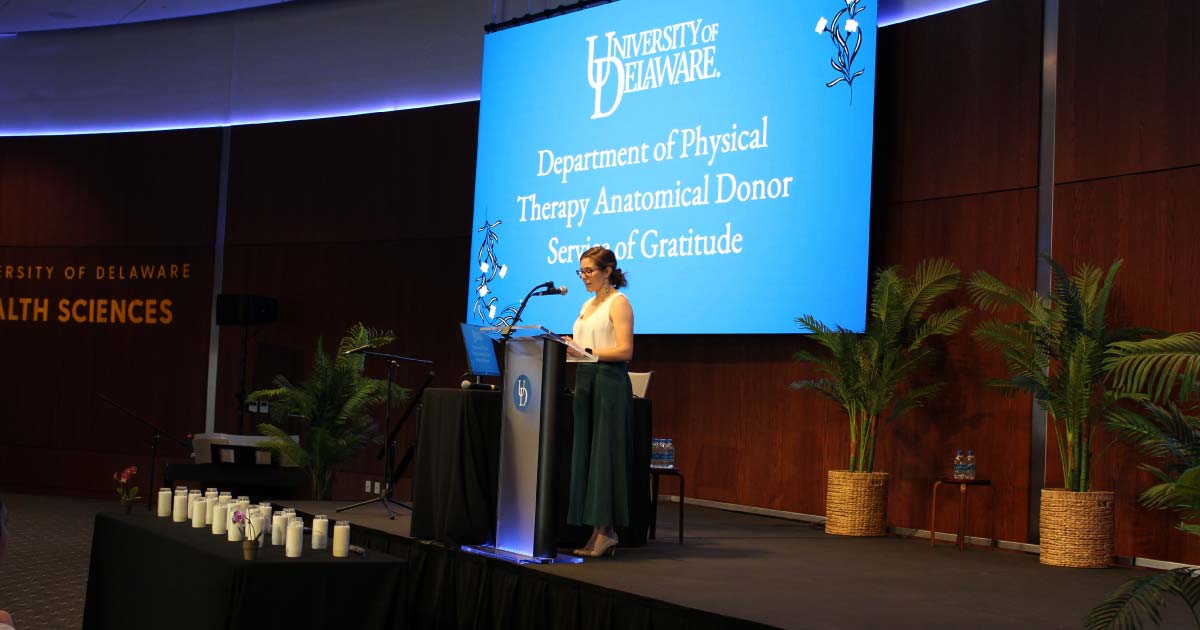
x=458 y=461
x=151 y=573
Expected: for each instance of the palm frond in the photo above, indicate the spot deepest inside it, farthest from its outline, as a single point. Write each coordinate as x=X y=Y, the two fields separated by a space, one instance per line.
x=1156 y=366
x=1137 y=600
x=944 y=323
x=991 y=294
x=333 y=404
x=1160 y=432
x=864 y=372
x=283 y=444
x=933 y=278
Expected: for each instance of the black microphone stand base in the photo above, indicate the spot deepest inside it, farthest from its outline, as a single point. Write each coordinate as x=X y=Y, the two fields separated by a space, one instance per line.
x=383 y=499
x=385 y=493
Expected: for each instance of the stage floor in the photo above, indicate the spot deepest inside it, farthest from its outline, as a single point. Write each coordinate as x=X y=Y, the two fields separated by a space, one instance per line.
x=790 y=574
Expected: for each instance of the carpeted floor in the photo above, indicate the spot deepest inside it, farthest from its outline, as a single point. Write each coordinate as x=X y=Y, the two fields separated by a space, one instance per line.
x=43 y=578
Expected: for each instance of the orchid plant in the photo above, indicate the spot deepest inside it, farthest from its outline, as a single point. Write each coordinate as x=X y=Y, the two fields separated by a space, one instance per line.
x=846 y=52
x=128 y=493
x=243 y=520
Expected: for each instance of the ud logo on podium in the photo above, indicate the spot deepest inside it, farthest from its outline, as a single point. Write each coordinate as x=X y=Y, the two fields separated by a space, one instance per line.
x=521 y=392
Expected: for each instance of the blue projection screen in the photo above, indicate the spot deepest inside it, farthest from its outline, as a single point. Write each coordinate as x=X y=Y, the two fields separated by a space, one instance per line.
x=721 y=149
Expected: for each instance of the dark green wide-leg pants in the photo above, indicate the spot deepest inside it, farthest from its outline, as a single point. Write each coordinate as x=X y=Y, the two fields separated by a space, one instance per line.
x=601 y=450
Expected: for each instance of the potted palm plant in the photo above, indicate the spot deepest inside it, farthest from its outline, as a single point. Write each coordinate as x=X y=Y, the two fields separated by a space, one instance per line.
x=868 y=373
x=333 y=405
x=1164 y=374
x=1055 y=351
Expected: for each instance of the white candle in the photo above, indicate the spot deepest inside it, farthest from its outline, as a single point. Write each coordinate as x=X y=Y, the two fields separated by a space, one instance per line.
x=198 y=514
x=219 y=519
x=268 y=522
x=320 y=532
x=164 y=502
x=233 y=530
x=209 y=504
x=279 y=523
x=341 y=539
x=295 y=539
x=193 y=496
x=179 y=511
x=258 y=522
x=223 y=498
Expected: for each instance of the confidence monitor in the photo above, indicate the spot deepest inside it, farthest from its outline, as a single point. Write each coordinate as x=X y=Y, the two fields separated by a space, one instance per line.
x=481 y=353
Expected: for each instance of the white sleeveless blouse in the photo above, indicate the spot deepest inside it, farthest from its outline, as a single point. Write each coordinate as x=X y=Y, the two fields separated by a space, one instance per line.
x=596 y=330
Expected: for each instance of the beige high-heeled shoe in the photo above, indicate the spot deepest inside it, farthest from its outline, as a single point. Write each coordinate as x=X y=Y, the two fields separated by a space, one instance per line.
x=586 y=550
x=604 y=546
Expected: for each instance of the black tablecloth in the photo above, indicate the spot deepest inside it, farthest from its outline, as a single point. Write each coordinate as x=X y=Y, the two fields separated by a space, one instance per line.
x=149 y=572
x=456 y=476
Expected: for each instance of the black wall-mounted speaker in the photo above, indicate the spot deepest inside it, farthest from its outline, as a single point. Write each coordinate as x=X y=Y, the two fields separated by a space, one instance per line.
x=234 y=309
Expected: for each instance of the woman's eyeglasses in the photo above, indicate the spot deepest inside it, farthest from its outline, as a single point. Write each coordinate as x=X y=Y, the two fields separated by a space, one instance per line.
x=585 y=272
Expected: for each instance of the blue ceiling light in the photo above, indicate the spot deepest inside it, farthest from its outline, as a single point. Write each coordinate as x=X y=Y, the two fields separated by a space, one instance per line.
x=897 y=11
x=275 y=116
x=890 y=12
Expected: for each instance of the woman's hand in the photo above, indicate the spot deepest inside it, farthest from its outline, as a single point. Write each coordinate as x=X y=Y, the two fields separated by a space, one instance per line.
x=571 y=345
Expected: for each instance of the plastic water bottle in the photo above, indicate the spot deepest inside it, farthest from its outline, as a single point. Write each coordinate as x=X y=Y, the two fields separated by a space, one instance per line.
x=658 y=452
x=969 y=466
x=960 y=465
x=669 y=458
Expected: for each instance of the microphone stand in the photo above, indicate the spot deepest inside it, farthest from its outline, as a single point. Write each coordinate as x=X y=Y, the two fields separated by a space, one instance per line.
x=385 y=491
x=410 y=452
x=507 y=331
x=155 y=433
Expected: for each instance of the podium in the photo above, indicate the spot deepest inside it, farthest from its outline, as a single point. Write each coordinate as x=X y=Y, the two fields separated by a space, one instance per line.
x=534 y=366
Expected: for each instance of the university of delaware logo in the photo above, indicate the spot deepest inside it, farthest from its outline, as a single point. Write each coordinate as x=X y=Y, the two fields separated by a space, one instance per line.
x=647 y=60
x=522 y=392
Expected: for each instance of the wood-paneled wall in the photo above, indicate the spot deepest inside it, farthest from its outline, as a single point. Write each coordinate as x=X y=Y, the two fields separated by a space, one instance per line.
x=87 y=203
x=363 y=218
x=1127 y=174
x=368 y=218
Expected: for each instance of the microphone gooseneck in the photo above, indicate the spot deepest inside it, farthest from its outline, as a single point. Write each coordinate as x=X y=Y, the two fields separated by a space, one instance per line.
x=547 y=288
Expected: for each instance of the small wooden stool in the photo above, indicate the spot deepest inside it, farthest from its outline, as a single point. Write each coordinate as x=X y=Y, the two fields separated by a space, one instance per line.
x=962 y=484
x=654 y=475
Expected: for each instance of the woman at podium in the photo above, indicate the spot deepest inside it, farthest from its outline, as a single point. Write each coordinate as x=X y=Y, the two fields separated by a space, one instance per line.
x=601 y=452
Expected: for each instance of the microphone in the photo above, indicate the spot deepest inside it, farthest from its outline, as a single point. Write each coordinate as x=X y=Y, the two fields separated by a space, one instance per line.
x=553 y=290
x=483 y=386
x=358 y=350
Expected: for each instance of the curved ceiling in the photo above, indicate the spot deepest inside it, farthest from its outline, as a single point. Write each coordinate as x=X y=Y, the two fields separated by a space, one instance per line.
x=22 y=16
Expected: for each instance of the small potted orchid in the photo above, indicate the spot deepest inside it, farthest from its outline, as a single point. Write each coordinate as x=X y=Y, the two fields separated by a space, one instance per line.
x=251 y=534
x=128 y=493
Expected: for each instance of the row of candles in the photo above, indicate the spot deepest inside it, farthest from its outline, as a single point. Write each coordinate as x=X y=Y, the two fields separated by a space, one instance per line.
x=217 y=510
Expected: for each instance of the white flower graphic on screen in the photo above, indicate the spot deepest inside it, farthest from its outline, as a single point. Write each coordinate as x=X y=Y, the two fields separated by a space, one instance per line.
x=491 y=270
x=846 y=47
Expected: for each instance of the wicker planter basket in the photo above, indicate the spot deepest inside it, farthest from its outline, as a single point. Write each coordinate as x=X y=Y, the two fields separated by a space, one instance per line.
x=1076 y=528
x=856 y=503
